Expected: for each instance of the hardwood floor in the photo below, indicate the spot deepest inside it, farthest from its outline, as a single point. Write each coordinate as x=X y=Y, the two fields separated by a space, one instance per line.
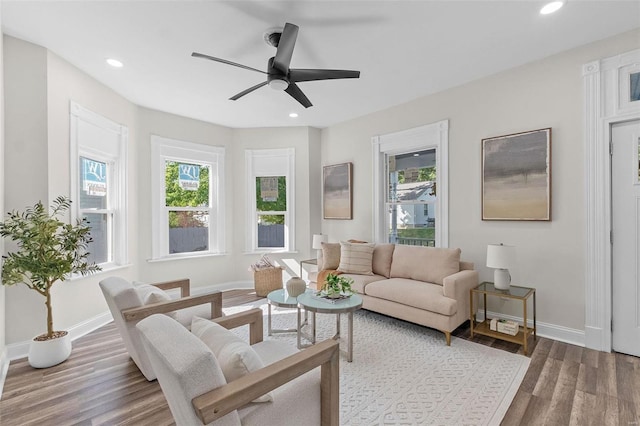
x=100 y=385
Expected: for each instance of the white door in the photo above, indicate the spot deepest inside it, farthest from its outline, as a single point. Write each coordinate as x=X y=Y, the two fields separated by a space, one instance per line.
x=625 y=206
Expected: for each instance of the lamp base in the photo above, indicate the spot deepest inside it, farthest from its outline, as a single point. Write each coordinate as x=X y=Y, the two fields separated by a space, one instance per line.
x=501 y=279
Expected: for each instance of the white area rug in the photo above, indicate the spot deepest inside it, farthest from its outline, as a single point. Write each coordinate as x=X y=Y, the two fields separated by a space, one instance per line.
x=406 y=374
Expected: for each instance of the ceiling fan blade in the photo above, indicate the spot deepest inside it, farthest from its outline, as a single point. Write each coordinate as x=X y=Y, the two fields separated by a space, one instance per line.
x=298 y=75
x=224 y=61
x=249 y=90
x=285 y=48
x=297 y=94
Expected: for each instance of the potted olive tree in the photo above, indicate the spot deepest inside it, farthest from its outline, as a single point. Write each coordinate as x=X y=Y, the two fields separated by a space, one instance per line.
x=48 y=250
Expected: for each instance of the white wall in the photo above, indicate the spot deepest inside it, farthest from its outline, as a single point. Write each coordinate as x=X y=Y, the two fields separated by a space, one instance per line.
x=40 y=87
x=203 y=270
x=547 y=93
x=3 y=346
x=301 y=139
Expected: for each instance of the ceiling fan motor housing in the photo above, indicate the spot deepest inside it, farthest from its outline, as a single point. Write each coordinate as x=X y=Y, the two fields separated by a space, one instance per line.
x=275 y=78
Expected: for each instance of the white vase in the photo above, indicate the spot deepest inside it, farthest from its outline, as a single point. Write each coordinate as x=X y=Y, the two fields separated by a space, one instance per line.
x=47 y=353
x=296 y=286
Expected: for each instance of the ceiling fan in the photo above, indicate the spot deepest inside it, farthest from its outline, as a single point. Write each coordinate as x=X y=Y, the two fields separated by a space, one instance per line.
x=279 y=75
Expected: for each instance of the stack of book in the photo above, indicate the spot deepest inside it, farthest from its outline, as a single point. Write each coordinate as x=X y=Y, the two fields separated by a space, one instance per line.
x=504 y=326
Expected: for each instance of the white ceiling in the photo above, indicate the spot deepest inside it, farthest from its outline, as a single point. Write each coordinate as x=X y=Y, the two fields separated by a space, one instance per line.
x=404 y=49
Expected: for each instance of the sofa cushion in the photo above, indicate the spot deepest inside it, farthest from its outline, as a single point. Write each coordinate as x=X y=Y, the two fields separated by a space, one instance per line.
x=428 y=264
x=414 y=293
x=356 y=258
x=235 y=356
x=382 y=256
x=361 y=281
x=330 y=256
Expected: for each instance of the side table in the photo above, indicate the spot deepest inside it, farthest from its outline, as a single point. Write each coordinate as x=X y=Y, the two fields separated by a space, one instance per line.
x=281 y=298
x=514 y=292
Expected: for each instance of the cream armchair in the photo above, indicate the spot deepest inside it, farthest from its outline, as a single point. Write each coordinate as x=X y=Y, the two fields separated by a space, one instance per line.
x=197 y=392
x=127 y=305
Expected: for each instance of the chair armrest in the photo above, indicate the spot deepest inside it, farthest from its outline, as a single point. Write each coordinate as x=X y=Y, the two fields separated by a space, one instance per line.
x=215 y=299
x=252 y=317
x=221 y=401
x=182 y=284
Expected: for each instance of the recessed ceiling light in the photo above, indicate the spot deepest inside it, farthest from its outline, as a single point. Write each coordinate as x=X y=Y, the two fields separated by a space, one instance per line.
x=551 y=7
x=114 y=63
x=293 y=115
x=416 y=155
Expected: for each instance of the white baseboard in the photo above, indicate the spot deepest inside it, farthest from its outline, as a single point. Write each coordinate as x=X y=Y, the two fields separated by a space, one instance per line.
x=21 y=349
x=550 y=331
x=234 y=285
x=4 y=368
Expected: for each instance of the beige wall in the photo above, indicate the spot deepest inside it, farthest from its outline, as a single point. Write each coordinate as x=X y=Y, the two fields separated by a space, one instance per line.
x=547 y=93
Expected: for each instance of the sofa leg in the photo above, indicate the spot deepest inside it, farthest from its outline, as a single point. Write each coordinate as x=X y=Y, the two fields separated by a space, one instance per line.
x=447 y=335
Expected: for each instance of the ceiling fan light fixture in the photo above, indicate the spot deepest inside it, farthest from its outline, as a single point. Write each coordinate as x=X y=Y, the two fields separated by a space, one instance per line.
x=278 y=84
x=551 y=7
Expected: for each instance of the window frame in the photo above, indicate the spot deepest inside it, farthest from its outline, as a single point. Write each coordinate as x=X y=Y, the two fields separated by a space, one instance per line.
x=115 y=156
x=431 y=136
x=166 y=149
x=270 y=163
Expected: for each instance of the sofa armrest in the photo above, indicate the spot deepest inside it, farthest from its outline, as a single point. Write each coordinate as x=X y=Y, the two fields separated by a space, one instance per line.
x=458 y=285
x=215 y=299
x=221 y=401
x=182 y=284
x=252 y=317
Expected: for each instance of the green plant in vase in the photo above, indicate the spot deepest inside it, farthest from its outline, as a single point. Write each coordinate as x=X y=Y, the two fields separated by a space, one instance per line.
x=336 y=286
x=48 y=250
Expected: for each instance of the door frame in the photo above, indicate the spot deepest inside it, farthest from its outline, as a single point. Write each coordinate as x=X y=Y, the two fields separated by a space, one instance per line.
x=606 y=102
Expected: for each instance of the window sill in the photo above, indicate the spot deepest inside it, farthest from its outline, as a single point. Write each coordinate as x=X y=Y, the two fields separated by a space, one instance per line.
x=275 y=251
x=106 y=268
x=171 y=257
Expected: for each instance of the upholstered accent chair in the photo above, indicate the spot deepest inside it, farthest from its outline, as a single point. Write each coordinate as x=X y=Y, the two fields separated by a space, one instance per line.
x=130 y=303
x=193 y=381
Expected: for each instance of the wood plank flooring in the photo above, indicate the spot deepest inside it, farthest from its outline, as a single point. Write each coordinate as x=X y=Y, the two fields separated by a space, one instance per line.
x=100 y=385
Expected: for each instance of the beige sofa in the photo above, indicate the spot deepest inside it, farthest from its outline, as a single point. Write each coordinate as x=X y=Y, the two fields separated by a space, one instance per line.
x=424 y=285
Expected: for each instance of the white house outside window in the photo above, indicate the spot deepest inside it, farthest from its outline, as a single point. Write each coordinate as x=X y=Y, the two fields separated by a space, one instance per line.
x=188 y=214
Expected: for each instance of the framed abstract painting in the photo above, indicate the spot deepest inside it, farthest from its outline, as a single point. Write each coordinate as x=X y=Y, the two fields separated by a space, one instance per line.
x=516 y=176
x=337 y=193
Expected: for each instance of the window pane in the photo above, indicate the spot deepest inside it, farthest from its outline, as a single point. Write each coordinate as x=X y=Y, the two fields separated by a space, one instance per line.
x=412 y=224
x=188 y=231
x=99 y=247
x=634 y=87
x=271 y=194
x=93 y=184
x=187 y=185
x=411 y=176
x=271 y=230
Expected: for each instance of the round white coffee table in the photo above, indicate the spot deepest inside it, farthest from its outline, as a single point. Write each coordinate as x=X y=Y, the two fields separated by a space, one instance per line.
x=281 y=299
x=315 y=304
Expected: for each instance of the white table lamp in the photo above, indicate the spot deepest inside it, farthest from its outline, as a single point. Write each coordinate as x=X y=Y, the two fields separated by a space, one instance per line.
x=318 y=239
x=501 y=258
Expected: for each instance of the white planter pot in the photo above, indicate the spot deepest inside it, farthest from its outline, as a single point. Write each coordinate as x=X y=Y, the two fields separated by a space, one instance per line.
x=47 y=353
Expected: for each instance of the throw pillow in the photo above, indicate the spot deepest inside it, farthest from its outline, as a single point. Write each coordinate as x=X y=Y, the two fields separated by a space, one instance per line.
x=330 y=255
x=150 y=294
x=235 y=356
x=356 y=258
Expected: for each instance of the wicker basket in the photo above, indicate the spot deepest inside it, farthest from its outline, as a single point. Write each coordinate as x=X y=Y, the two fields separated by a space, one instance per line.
x=266 y=280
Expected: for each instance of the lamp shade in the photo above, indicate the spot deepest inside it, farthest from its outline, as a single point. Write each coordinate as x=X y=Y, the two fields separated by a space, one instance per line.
x=500 y=256
x=318 y=239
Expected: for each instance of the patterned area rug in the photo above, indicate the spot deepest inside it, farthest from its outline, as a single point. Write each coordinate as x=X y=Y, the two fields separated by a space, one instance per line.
x=405 y=374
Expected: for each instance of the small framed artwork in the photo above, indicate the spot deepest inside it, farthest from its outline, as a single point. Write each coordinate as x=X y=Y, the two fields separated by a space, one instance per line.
x=516 y=176
x=337 y=191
